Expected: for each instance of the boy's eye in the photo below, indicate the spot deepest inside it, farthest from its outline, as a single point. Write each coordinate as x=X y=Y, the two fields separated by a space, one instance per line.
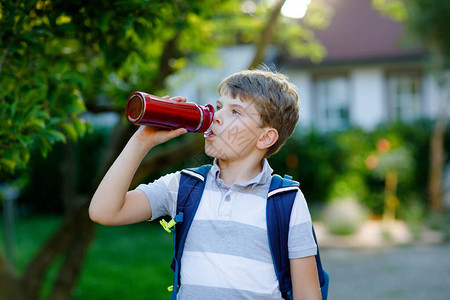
x=218 y=107
x=235 y=112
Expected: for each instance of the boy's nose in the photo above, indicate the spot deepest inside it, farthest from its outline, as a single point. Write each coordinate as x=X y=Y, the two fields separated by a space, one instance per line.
x=217 y=117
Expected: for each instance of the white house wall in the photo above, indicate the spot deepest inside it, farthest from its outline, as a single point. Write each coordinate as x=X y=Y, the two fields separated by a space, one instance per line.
x=304 y=85
x=367 y=97
x=431 y=95
x=366 y=92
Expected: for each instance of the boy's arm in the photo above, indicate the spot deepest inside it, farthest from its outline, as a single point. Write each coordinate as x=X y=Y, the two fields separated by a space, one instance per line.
x=112 y=204
x=305 y=280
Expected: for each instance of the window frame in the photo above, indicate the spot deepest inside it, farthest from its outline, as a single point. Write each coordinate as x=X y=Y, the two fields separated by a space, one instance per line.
x=398 y=108
x=322 y=103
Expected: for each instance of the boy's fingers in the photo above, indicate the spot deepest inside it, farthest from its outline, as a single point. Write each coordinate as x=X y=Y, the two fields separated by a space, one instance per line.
x=177 y=132
x=178 y=99
x=181 y=131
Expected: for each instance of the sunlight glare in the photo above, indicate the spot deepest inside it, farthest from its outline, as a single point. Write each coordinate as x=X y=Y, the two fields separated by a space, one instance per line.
x=295 y=8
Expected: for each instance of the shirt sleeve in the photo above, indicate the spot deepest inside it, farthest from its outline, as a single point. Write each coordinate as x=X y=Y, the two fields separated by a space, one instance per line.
x=162 y=195
x=301 y=241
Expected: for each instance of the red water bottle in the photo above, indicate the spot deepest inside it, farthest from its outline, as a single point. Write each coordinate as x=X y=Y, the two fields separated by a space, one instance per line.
x=146 y=109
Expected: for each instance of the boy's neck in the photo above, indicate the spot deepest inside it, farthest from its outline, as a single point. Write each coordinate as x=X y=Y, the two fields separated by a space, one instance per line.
x=239 y=171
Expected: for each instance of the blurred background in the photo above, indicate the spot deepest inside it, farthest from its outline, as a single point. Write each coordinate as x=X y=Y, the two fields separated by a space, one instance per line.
x=370 y=150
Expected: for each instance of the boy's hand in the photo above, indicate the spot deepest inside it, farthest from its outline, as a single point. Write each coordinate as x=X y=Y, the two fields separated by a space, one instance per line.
x=155 y=135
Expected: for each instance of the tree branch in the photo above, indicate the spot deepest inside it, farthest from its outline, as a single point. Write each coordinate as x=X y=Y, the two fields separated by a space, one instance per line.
x=266 y=35
x=75 y=254
x=5 y=54
x=9 y=284
x=169 y=53
x=36 y=269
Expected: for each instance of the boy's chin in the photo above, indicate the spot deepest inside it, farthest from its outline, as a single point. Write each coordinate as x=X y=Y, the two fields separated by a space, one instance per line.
x=214 y=152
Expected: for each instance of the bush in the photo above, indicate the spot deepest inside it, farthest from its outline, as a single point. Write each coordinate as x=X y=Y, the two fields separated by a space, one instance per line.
x=354 y=164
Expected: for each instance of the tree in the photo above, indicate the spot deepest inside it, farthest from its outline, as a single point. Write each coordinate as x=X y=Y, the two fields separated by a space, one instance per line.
x=428 y=22
x=60 y=58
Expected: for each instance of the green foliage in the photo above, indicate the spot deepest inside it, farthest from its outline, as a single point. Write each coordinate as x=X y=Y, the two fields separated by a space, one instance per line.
x=395 y=9
x=352 y=164
x=40 y=94
x=429 y=19
x=39 y=108
x=349 y=184
x=300 y=41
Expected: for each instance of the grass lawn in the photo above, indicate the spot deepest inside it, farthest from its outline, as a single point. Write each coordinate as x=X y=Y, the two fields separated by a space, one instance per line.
x=125 y=262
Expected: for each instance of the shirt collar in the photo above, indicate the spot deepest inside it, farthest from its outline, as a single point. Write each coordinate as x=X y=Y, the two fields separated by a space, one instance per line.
x=261 y=178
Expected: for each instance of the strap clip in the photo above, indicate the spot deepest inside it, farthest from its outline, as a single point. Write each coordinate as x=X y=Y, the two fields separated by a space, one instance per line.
x=168 y=225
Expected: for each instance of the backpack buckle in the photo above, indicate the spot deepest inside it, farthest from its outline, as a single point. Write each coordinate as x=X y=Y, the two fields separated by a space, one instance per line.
x=168 y=225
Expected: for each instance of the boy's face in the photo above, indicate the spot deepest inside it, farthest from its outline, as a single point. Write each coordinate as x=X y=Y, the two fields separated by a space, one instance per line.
x=235 y=129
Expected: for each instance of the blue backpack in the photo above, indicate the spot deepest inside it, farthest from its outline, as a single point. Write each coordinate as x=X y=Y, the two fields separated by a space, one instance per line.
x=281 y=197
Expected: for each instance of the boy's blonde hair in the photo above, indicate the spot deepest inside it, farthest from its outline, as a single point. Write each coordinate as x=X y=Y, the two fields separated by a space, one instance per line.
x=275 y=99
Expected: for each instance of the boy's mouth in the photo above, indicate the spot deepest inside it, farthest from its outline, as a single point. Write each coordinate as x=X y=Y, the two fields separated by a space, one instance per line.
x=208 y=133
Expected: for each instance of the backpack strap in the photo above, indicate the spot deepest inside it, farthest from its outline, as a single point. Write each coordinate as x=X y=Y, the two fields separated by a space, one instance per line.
x=190 y=191
x=280 y=200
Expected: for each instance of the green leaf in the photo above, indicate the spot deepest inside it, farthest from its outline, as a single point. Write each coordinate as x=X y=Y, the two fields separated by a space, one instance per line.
x=7 y=164
x=54 y=136
x=44 y=146
x=26 y=141
x=69 y=130
x=80 y=126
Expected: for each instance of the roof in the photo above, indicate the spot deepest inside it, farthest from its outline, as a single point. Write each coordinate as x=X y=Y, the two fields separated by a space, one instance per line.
x=360 y=33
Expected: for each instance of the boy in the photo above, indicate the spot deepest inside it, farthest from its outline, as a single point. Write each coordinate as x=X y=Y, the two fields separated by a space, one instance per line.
x=226 y=253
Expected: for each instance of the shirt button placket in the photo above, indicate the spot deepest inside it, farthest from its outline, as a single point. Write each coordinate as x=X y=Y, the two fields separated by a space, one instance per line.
x=225 y=207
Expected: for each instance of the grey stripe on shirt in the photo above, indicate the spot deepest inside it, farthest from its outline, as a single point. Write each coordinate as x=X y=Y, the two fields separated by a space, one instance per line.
x=299 y=241
x=213 y=293
x=228 y=237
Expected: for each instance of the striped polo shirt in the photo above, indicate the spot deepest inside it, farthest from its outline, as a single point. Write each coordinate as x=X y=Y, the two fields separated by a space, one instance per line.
x=227 y=254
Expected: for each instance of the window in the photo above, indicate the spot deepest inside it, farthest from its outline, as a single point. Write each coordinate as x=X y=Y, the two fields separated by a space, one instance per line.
x=332 y=107
x=404 y=96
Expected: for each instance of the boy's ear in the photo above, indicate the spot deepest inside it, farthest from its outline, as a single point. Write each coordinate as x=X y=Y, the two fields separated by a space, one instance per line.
x=267 y=138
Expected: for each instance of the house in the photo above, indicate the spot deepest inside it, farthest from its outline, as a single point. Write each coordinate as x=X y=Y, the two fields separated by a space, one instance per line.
x=369 y=76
